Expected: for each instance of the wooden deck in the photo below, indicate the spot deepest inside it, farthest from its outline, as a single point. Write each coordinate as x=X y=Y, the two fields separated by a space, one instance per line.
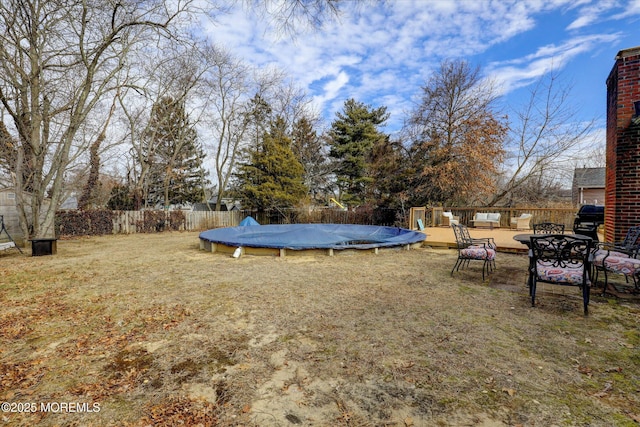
x=443 y=237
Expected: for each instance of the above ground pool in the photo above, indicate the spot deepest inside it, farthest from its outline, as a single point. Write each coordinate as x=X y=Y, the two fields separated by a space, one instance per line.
x=306 y=237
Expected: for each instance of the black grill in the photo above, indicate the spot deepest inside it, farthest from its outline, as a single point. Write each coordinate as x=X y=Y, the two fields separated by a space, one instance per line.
x=587 y=221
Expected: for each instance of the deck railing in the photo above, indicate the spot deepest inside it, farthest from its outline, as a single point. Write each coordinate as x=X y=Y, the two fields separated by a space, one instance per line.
x=466 y=214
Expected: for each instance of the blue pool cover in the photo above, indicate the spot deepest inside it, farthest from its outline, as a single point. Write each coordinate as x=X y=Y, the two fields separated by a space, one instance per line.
x=313 y=236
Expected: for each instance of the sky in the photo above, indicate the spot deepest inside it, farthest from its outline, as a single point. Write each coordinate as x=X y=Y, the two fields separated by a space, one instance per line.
x=381 y=53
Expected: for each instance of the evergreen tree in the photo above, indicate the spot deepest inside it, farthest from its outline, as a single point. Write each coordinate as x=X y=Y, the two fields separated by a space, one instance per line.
x=172 y=149
x=121 y=199
x=273 y=177
x=352 y=137
x=310 y=151
x=258 y=118
x=386 y=169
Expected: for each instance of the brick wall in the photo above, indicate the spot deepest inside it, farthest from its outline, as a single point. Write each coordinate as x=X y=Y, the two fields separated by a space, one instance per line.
x=622 y=199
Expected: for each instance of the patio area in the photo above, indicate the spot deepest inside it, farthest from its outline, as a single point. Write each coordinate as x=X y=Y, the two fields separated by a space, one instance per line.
x=442 y=237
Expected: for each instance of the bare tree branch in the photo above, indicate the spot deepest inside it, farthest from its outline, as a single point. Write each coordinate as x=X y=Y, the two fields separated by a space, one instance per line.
x=545 y=133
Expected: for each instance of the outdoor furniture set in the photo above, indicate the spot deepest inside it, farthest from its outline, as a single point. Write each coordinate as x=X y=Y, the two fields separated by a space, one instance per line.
x=488 y=219
x=558 y=258
x=576 y=259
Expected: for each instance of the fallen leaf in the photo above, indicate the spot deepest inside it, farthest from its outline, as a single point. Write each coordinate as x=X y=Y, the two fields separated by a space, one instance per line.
x=509 y=391
x=605 y=391
x=585 y=370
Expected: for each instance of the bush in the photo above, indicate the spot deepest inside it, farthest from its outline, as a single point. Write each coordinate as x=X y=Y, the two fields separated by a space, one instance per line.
x=84 y=223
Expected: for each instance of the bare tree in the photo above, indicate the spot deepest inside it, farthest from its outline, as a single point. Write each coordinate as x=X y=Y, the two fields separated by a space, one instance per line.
x=173 y=72
x=545 y=135
x=227 y=81
x=233 y=95
x=58 y=60
x=290 y=17
x=595 y=156
x=88 y=196
x=456 y=136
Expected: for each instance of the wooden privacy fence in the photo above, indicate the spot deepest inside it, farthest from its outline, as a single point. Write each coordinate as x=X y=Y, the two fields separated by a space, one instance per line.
x=82 y=223
x=97 y=222
x=129 y=222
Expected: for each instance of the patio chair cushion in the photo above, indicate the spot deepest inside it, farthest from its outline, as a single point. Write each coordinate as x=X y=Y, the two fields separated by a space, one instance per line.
x=481 y=216
x=479 y=252
x=555 y=274
x=600 y=254
x=622 y=265
x=493 y=217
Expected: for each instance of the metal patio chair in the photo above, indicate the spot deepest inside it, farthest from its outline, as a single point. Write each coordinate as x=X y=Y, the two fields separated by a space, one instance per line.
x=619 y=258
x=548 y=228
x=470 y=249
x=561 y=260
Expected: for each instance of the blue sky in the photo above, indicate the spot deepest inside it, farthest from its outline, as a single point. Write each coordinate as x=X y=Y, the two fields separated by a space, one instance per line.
x=380 y=53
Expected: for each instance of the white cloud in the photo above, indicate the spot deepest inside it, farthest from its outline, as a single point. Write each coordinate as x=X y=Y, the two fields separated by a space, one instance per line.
x=591 y=13
x=331 y=89
x=632 y=9
x=519 y=72
x=386 y=50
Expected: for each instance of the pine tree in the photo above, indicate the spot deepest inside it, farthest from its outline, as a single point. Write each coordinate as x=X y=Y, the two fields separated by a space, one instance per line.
x=311 y=152
x=273 y=177
x=388 y=173
x=121 y=198
x=175 y=156
x=352 y=137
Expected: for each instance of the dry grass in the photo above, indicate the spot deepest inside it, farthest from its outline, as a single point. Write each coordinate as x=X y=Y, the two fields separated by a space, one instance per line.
x=159 y=333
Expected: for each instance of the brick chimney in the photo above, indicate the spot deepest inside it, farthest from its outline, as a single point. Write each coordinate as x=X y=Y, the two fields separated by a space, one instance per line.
x=622 y=186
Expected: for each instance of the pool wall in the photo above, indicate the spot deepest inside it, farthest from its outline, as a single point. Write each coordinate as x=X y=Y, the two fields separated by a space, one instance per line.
x=308 y=239
x=208 y=246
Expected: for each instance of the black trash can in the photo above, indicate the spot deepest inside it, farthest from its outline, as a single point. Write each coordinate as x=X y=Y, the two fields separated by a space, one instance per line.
x=44 y=246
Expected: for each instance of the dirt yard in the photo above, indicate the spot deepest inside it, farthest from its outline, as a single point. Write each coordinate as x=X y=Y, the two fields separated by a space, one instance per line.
x=147 y=330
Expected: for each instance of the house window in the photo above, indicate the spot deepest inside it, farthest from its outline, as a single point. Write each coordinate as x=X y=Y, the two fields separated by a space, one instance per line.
x=11 y=196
